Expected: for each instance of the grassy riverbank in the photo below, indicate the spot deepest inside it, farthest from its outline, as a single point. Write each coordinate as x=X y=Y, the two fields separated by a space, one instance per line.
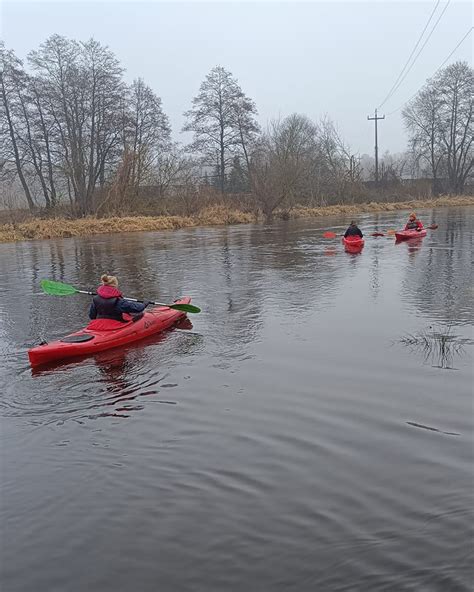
x=212 y=216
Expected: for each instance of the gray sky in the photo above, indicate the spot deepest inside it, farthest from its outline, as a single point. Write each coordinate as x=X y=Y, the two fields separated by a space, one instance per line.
x=335 y=58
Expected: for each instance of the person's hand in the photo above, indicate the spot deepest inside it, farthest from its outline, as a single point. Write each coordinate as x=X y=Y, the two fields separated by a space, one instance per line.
x=147 y=303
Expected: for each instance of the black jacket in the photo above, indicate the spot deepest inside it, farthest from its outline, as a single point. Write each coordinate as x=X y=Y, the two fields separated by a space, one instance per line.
x=353 y=231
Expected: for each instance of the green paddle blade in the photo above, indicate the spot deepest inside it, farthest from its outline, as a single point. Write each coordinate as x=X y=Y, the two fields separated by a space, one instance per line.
x=57 y=288
x=185 y=307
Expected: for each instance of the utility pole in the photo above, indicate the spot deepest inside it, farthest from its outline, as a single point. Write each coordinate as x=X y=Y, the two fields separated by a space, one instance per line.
x=376 y=118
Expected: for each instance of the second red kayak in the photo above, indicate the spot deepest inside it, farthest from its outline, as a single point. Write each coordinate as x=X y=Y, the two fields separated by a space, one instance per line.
x=102 y=334
x=408 y=234
x=353 y=242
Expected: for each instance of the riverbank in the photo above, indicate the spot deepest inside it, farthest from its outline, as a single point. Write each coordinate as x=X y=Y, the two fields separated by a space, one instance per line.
x=212 y=216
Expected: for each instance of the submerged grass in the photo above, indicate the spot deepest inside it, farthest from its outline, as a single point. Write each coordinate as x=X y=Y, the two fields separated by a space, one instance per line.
x=437 y=345
x=215 y=215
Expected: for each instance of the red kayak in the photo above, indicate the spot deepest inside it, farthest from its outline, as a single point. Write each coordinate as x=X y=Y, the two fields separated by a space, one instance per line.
x=401 y=235
x=353 y=243
x=102 y=334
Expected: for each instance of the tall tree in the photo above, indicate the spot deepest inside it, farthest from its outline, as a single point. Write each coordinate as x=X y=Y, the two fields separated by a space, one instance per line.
x=12 y=78
x=83 y=92
x=439 y=121
x=149 y=135
x=223 y=121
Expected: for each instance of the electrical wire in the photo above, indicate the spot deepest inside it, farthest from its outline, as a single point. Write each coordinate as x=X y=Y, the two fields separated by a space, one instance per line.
x=435 y=72
x=410 y=56
x=419 y=52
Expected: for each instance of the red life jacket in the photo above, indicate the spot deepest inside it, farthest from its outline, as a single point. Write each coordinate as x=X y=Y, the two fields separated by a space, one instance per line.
x=105 y=303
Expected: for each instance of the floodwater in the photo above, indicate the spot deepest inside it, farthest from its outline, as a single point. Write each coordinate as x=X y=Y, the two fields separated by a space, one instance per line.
x=290 y=441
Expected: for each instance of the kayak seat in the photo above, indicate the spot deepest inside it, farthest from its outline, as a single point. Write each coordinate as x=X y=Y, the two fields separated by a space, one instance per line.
x=107 y=324
x=77 y=338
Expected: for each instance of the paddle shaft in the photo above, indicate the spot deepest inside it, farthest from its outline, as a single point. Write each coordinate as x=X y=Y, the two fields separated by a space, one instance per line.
x=126 y=298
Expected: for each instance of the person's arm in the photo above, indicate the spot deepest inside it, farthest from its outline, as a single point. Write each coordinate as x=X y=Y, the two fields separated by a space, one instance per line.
x=360 y=233
x=130 y=307
x=419 y=225
x=92 y=311
x=345 y=234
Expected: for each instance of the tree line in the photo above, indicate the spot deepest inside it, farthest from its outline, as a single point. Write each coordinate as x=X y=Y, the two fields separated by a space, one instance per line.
x=73 y=133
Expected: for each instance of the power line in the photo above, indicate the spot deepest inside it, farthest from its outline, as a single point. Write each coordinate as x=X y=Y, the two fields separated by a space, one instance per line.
x=419 y=52
x=410 y=56
x=437 y=70
x=422 y=47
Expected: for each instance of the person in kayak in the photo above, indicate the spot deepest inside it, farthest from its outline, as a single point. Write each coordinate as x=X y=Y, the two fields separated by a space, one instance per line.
x=413 y=223
x=353 y=230
x=110 y=304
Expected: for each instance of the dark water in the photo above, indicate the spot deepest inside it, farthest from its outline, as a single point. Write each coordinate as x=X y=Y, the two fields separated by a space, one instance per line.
x=289 y=442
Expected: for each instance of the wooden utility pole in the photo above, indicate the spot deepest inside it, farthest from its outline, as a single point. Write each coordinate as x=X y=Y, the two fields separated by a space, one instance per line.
x=376 y=118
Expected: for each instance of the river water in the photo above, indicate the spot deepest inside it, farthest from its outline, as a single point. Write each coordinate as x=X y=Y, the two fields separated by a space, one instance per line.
x=289 y=441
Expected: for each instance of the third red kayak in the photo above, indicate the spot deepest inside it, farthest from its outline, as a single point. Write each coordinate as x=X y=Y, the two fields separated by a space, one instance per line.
x=408 y=234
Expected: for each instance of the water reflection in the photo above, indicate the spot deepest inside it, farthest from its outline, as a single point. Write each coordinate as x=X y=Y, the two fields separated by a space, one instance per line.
x=244 y=433
x=439 y=283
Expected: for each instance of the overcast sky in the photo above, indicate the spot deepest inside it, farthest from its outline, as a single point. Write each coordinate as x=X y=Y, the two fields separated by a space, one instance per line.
x=335 y=58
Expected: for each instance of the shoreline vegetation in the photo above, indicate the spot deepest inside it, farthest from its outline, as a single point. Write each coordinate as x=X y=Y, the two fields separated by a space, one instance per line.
x=216 y=215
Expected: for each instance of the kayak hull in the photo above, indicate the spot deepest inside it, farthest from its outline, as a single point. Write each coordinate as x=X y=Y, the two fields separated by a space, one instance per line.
x=353 y=243
x=97 y=337
x=401 y=235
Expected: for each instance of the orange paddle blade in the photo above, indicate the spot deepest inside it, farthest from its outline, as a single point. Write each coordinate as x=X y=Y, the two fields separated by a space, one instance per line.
x=329 y=235
x=391 y=231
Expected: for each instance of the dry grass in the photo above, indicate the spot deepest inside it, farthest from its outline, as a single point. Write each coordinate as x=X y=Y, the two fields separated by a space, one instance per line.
x=63 y=228
x=216 y=215
x=354 y=209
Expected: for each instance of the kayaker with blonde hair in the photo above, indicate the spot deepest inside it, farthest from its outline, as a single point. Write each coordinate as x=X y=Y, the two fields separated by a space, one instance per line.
x=109 y=302
x=413 y=223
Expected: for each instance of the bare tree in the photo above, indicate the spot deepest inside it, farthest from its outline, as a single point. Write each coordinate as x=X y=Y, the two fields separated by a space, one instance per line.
x=439 y=121
x=282 y=163
x=83 y=92
x=172 y=170
x=222 y=120
x=12 y=77
x=149 y=131
x=422 y=120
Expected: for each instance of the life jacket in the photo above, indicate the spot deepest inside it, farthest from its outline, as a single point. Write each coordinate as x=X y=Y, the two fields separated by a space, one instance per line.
x=413 y=225
x=105 y=303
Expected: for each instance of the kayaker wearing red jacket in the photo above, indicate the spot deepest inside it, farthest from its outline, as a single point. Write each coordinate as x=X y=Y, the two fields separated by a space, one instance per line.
x=109 y=302
x=413 y=223
x=353 y=230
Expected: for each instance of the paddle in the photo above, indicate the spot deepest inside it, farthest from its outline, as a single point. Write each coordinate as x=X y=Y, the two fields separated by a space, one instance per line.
x=61 y=289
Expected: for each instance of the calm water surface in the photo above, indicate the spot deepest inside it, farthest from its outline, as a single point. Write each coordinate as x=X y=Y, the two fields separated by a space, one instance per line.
x=289 y=441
